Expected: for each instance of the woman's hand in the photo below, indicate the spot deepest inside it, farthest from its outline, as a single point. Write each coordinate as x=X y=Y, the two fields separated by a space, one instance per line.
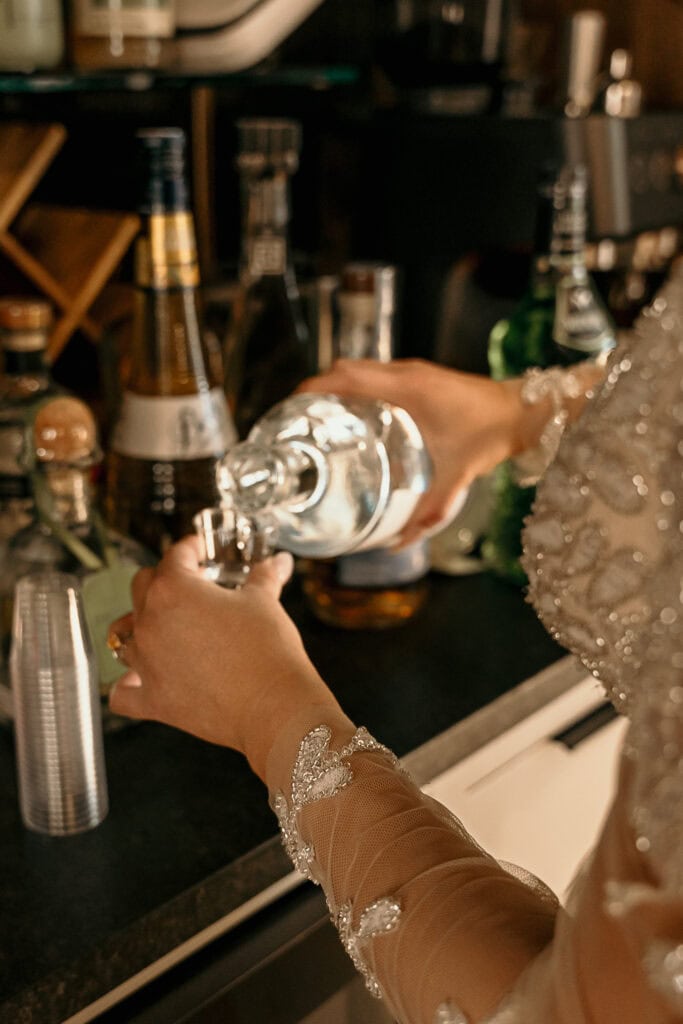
x=226 y=665
x=469 y=422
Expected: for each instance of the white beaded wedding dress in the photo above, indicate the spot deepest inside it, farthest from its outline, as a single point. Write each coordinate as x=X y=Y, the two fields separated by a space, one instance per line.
x=439 y=929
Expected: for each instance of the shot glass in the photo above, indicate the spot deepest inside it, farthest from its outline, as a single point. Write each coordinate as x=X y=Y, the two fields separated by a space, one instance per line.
x=232 y=542
x=57 y=716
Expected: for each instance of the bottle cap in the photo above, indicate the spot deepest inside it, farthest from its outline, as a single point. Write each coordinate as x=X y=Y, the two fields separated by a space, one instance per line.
x=162 y=171
x=64 y=430
x=378 y=279
x=29 y=318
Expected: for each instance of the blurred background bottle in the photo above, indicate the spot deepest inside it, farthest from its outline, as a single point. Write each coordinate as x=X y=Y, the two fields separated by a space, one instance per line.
x=560 y=320
x=378 y=588
x=269 y=350
x=112 y=34
x=66 y=531
x=25 y=382
x=174 y=423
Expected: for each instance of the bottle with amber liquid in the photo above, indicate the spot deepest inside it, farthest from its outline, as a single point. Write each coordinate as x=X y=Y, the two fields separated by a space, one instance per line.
x=174 y=424
x=268 y=350
x=381 y=587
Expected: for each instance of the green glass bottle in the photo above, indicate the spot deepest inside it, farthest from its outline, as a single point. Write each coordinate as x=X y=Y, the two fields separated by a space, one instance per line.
x=560 y=320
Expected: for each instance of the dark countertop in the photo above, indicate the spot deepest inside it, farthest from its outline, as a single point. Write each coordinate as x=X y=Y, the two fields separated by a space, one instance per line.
x=189 y=836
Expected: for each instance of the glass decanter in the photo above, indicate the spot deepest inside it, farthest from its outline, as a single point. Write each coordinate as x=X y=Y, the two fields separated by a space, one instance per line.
x=334 y=475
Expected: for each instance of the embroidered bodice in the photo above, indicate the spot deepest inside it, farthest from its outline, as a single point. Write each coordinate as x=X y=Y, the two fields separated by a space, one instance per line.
x=604 y=555
x=438 y=927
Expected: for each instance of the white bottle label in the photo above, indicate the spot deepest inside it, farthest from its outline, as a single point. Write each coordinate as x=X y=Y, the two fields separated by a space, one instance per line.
x=179 y=427
x=127 y=18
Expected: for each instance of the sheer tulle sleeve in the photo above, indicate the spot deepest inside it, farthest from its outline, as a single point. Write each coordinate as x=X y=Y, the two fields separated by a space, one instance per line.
x=441 y=930
x=435 y=925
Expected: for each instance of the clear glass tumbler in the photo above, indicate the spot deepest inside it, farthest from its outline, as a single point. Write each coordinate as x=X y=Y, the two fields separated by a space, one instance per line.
x=57 y=716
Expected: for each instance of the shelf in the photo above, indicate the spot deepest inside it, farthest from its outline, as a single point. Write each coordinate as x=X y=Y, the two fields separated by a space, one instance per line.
x=142 y=80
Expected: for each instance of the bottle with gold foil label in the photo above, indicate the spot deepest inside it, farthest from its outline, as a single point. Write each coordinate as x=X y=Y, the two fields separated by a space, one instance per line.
x=174 y=423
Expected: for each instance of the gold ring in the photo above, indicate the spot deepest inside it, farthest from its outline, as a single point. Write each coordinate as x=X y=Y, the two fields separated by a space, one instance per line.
x=116 y=642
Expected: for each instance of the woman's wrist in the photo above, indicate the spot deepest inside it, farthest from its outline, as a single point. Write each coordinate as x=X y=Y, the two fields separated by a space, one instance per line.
x=292 y=695
x=297 y=724
x=544 y=402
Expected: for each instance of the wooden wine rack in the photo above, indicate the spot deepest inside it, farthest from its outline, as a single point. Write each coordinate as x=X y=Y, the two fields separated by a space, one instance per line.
x=67 y=254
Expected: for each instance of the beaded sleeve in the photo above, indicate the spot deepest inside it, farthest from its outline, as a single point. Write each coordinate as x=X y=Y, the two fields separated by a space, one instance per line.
x=559 y=384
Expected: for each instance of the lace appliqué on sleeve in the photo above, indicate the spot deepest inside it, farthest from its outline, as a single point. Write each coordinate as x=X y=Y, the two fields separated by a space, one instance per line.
x=447 y=1013
x=663 y=963
x=559 y=384
x=378 y=918
x=320 y=773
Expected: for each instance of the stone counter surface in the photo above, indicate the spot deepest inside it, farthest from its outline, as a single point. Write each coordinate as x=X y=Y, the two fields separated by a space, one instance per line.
x=189 y=837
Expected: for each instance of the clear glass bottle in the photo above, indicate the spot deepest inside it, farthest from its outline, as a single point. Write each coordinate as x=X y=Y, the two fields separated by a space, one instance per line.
x=268 y=349
x=173 y=424
x=561 y=320
x=66 y=532
x=25 y=382
x=31 y=35
x=378 y=588
x=335 y=475
x=129 y=34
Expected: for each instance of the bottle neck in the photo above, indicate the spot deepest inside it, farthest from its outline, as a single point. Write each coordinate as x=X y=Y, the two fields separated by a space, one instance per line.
x=166 y=251
x=366 y=321
x=254 y=477
x=569 y=236
x=19 y=363
x=71 y=493
x=168 y=355
x=265 y=221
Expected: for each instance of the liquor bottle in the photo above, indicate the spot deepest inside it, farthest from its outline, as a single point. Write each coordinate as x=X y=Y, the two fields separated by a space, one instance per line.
x=173 y=424
x=112 y=34
x=268 y=349
x=378 y=588
x=334 y=475
x=67 y=532
x=561 y=320
x=25 y=383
